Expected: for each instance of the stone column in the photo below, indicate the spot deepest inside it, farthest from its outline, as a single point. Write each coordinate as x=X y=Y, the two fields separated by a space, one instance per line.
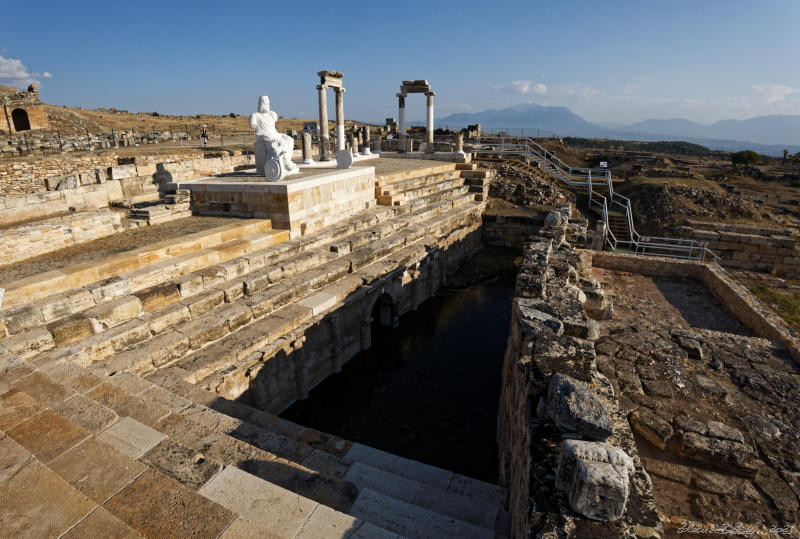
x=460 y=144
x=429 y=130
x=322 y=132
x=401 y=124
x=339 y=118
x=366 y=149
x=307 y=160
x=301 y=375
x=366 y=333
x=354 y=144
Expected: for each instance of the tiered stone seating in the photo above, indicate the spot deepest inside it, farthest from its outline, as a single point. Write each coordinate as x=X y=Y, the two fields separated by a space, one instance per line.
x=106 y=403
x=425 y=186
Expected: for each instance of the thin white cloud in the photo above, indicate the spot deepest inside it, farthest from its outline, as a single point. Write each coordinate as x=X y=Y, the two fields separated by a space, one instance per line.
x=524 y=87
x=774 y=94
x=13 y=71
x=579 y=90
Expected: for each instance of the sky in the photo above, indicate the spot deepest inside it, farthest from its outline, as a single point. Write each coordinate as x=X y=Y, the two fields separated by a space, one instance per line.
x=608 y=61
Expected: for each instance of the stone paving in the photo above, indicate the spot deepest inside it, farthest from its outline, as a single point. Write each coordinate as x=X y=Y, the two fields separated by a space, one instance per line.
x=713 y=406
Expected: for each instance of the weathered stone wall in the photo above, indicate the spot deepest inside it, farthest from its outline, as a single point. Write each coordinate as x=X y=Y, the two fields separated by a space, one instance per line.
x=749 y=247
x=301 y=205
x=510 y=230
x=95 y=189
x=22 y=208
x=29 y=175
x=735 y=296
x=19 y=243
x=275 y=378
x=566 y=450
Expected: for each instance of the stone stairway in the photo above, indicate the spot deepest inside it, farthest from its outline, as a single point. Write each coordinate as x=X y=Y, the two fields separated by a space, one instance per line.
x=172 y=206
x=158 y=364
x=420 y=187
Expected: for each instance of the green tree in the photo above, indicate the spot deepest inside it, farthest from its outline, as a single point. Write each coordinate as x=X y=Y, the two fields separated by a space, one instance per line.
x=745 y=157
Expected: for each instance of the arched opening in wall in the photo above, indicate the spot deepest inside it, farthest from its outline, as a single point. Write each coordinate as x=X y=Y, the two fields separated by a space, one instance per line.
x=386 y=311
x=20 y=119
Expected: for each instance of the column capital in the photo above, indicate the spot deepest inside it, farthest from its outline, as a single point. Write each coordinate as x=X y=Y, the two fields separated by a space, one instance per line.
x=322 y=86
x=338 y=90
x=430 y=94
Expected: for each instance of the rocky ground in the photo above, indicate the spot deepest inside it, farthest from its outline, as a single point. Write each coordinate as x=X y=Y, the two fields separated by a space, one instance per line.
x=658 y=207
x=714 y=409
x=525 y=189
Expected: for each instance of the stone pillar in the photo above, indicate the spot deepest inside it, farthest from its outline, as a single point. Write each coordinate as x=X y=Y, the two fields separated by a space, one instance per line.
x=429 y=130
x=365 y=149
x=366 y=333
x=301 y=376
x=339 y=118
x=354 y=144
x=336 y=339
x=401 y=125
x=323 y=137
x=460 y=144
x=307 y=160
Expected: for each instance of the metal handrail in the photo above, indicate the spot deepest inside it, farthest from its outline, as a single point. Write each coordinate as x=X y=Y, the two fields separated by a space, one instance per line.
x=580 y=177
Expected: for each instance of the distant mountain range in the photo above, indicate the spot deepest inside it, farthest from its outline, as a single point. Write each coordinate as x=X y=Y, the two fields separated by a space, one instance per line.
x=765 y=134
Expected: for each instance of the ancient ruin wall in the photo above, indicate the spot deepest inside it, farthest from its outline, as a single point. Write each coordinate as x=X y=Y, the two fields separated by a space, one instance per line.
x=27 y=241
x=736 y=297
x=96 y=188
x=30 y=175
x=566 y=450
x=274 y=378
x=749 y=247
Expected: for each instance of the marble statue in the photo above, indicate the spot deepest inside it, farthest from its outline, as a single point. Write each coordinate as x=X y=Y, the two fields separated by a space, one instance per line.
x=272 y=149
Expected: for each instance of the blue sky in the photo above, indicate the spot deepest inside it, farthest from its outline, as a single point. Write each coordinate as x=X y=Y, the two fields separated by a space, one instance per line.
x=609 y=61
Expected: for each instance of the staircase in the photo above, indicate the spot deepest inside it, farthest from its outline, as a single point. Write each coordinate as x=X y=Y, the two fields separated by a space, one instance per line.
x=614 y=209
x=117 y=395
x=416 y=188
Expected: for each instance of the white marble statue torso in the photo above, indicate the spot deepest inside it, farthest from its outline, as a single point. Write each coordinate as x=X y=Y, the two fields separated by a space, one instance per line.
x=270 y=144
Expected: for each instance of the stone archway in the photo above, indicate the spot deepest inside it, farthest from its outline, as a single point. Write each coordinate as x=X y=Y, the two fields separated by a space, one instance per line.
x=19 y=118
x=415 y=87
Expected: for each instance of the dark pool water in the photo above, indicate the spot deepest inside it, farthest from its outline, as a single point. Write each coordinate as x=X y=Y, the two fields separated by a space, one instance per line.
x=427 y=390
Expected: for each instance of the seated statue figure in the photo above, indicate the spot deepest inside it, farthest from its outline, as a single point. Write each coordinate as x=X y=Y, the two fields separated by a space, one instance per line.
x=273 y=150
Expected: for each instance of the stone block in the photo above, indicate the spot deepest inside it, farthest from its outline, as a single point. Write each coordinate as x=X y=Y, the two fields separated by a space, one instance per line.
x=131 y=437
x=158 y=296
x=204 y=329
x=108 y=289
x=113 y=313
x=29 y=343
x=121 y=172
x=168 y=317
x=281 y=511
x=596 y=478
x=21 y=318
x=574 y=407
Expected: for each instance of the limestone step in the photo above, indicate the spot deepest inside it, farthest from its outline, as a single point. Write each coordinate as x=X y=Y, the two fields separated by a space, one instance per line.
x=415 y=192
x=45 y=284
x=418 y=493
x=93 y=464
x=163 y=299
x=415 y=173
x=413 y=183
x=451 y=193
x=411 y=520
x=466 y=166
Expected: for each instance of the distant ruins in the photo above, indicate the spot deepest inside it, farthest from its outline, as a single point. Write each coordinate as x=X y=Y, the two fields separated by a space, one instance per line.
x=22 y=111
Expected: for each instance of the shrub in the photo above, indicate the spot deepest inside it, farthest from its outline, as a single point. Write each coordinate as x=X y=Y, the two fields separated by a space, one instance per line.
x=745 y=157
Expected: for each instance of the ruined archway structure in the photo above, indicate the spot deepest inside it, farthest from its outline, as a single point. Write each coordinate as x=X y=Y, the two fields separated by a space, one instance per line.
x=415 y=87
x=22 y=111
x=330 y=79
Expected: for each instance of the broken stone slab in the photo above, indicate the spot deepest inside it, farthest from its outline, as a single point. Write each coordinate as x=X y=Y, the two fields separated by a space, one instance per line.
x=574 y=407
x=596 y=478
x=651 y=427
x=727 y=455
x=536 y=320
